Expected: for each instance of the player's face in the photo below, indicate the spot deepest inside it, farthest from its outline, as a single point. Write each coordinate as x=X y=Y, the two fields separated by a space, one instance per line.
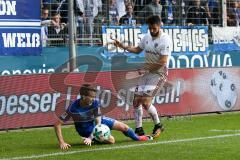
x=88 y=99
x=154 y=30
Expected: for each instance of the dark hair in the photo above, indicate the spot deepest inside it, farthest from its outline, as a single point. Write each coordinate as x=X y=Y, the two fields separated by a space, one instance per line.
x=129 y=4
x=155 y=19
x=45 y=8
x=85 y=88
x=55 y=14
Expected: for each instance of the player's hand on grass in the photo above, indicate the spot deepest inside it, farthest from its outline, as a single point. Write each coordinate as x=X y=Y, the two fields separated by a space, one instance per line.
x=64 y=145
x=87 y=141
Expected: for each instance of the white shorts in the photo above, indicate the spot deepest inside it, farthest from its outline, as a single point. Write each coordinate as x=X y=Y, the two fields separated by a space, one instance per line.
x=149 y=84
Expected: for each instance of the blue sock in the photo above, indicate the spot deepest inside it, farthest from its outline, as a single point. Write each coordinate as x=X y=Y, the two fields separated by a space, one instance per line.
x=130 y=133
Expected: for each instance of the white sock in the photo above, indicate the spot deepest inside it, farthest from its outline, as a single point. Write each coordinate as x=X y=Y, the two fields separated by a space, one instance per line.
x=154 y=114
x=138 y=116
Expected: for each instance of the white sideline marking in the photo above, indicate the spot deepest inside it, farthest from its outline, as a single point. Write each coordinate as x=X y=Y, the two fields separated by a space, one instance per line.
x=121 y=147
x=224 y=130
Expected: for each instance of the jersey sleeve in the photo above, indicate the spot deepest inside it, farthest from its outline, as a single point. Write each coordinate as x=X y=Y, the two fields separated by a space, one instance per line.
x=65 y=116
x=166 y=46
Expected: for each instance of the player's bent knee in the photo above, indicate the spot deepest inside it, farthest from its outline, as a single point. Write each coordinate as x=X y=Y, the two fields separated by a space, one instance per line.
x=146 y=102
x=146 y=105
x=124 y=127
x=120 y=126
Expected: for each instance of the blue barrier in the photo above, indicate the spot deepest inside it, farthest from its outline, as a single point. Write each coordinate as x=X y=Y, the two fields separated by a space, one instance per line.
x=54 y=57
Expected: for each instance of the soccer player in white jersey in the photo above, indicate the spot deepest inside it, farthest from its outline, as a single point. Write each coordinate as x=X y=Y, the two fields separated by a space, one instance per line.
x=156 y=46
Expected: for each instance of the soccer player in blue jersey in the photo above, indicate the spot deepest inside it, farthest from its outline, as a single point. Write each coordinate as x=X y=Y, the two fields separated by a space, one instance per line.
x=86 y=113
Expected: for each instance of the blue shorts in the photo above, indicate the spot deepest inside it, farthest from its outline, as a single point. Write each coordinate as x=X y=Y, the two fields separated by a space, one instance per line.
x=85 y=129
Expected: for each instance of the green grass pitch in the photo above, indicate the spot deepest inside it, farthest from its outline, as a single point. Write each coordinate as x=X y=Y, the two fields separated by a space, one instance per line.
x=215 y=136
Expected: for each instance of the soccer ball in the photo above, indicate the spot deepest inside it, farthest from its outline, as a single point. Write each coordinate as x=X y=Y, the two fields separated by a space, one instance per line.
x=101 y=132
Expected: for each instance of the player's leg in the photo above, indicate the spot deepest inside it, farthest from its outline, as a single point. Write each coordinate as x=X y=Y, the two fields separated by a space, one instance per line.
x=138 y=113
x=151 y=109
x=119 y=126
x=153 y=84
x=138 y=110
x=127 y=131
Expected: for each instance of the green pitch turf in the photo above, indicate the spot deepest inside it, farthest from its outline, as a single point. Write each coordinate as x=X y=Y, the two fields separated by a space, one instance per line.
x=185 y=138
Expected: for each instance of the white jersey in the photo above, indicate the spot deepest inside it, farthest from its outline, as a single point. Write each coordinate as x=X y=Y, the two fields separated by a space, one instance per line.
x=154 y=48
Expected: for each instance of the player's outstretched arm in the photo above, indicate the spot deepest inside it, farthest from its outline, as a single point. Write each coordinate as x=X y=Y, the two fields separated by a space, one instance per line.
x=131 y=49
x=98 y=120
x=58 y=130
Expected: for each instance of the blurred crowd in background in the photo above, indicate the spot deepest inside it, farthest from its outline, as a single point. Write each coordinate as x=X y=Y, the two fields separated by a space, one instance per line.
x=91 y=15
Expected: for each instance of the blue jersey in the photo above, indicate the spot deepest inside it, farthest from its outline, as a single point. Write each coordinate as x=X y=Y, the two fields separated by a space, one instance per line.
x=84 y=116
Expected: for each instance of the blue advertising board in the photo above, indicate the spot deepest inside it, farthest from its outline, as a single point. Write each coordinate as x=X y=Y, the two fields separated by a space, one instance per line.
x=25 y=10
x=226 y=39
x=20 y=27
x=24 y=41
x=188 y=40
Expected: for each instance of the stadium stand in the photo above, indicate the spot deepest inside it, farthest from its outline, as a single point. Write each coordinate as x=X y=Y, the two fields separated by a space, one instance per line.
x=91 y=15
